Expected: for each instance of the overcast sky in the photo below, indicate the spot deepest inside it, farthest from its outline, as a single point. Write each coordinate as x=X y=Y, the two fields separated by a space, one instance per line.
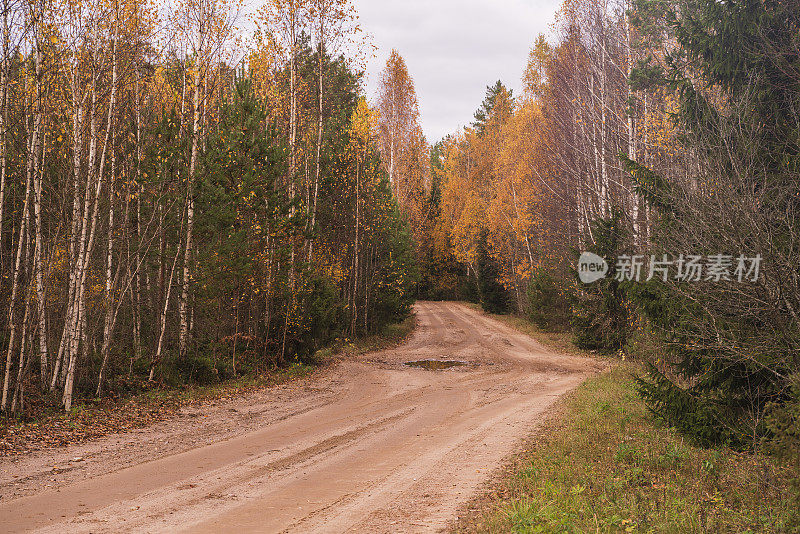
x=454 y=49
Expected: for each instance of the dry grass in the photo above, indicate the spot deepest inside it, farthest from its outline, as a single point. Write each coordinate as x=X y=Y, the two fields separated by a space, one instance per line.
x=390 y=336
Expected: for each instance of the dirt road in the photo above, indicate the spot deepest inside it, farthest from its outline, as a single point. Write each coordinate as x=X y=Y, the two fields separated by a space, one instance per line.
x=369 y=445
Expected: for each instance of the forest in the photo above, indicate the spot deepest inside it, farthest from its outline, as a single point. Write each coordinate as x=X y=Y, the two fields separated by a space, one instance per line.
x=181 y=206
x=663 y=134
x=183 y=201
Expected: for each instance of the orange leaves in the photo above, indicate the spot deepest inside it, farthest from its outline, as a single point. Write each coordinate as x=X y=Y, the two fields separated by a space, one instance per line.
x=361 y=122
x=493 y=179
x=404 y=149
x=397 y=110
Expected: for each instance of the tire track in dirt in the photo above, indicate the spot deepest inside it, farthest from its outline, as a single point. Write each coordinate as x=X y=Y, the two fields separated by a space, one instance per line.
x=369 y=445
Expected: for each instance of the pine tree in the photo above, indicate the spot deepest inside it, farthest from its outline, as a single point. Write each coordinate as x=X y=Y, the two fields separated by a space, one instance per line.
x=496 y=95
x=494 y=297
x=600 y=317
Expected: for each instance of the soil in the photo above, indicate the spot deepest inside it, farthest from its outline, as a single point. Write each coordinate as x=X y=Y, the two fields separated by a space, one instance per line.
x=369 y=444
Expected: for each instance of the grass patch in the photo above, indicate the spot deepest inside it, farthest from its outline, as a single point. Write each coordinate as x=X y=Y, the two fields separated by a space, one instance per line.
x=602 y=464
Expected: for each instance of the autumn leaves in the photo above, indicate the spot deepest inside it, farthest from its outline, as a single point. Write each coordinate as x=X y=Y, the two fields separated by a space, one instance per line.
x=181 y=204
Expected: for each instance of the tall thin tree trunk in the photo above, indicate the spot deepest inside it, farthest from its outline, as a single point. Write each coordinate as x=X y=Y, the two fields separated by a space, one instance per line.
x=292 y=167
x=634 y=198
x=26 y=340
x=110 y=287
x=12 y=313
x=604 y=182
x=320 y=52
x=356 y=258
x=4 y=86
x=34 y=165
x=187 y=249
x=23 y=338
x=137 y=282
x=163 y=321
x=88 y=247
x=41 y=294
x=74 y=324
x=59 y=370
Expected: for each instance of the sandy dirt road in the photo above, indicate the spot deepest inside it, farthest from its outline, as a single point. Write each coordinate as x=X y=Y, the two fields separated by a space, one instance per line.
x=368 y=445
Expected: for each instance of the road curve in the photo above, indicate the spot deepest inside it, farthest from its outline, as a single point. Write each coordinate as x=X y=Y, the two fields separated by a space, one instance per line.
x=369 y=445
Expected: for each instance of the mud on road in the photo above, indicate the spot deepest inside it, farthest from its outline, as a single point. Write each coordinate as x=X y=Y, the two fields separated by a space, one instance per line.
x=367 y=445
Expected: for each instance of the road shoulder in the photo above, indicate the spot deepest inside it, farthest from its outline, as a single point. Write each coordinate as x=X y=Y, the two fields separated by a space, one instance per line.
x=600 y=462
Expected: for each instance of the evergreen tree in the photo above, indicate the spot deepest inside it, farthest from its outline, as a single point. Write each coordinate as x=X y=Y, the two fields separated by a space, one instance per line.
x=600 y=317
x=243 y=212
x=735 y=69
x=490 y=102
x=494 y=297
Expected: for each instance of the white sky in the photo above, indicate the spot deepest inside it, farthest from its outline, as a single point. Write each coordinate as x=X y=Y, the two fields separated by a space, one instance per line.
x=454 y=49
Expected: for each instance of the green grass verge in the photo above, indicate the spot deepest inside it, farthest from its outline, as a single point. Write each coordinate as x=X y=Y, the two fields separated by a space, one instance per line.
x=601 y=463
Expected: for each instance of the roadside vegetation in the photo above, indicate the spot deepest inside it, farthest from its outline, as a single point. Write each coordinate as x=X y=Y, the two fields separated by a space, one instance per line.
x=603 y=463
x=190 y=195
x=100 y=416
x=660 y=137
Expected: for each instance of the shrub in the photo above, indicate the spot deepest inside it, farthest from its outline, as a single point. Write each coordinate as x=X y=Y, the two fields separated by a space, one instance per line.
x=550 y=299
x=600 y=318
x=494 y=297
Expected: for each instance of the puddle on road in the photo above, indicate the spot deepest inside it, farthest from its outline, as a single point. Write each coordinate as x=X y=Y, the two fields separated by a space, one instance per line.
x=435 y=365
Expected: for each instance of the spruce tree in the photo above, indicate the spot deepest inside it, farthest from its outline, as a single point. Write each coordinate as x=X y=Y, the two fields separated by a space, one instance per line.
x=494 y=297
x=735 y=71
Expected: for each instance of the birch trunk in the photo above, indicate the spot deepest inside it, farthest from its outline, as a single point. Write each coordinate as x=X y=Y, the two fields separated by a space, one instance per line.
x=88 y=246
x=73 y=328
x=107 y=324
x=356 y=259
x=187 y=249
x=320 y=52
x=137 y=281
x=292 y=162
x=3 y=122
x=26 y=340
x=77 y=145
x=163 y=321
x=604 y=183
x=22 y=350
x=37 y=206
x=634 y=198
x=12 y=312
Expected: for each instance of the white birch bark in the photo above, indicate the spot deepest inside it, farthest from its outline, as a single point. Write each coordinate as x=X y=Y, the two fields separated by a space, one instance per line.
x=4 y=86
x=163 y=319
x=15 y=285
x=35 y=170
x=17 y=395
x=634 y=198
x=320 y=52
x=59 y=370
x=87 y=245
x=187 y=249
